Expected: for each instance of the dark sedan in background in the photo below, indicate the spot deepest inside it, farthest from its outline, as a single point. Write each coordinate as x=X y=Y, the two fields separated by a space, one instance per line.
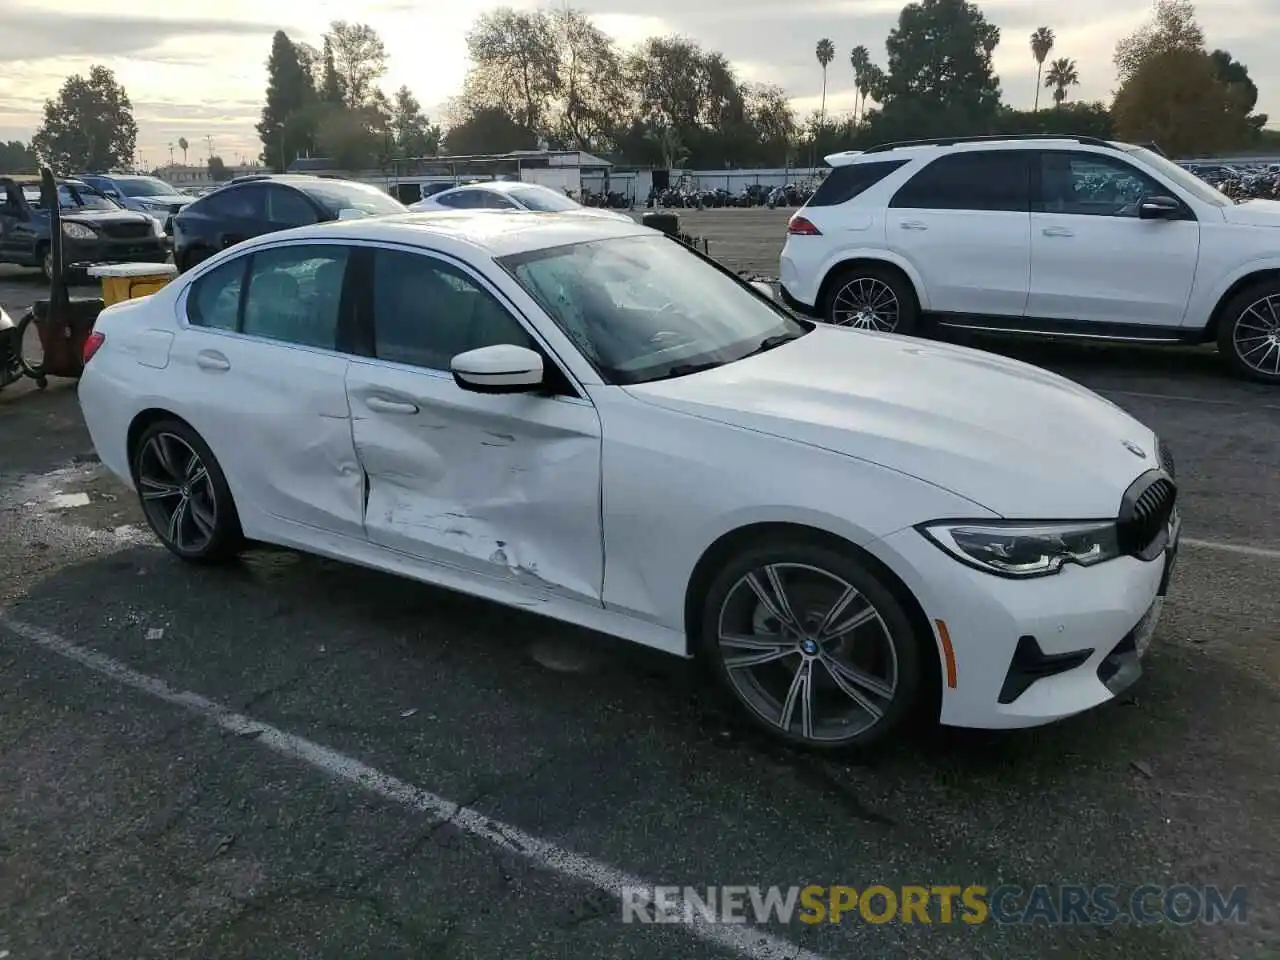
x=95 y=229
x=264 y=204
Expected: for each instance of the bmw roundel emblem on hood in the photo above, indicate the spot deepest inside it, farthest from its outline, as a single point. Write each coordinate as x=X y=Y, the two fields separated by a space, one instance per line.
x=1133 y=448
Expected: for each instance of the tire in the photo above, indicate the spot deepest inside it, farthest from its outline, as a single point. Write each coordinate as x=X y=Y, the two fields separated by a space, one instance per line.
x=1249 y=333
x=866 y=289
x=33 y=370
x=209 y=532
x=814 y=576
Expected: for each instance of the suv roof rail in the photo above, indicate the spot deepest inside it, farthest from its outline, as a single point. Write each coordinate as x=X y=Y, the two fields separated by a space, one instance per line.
x=989 y=138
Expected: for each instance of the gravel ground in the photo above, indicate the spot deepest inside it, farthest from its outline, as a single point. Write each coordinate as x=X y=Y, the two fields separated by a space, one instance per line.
x=138 y=820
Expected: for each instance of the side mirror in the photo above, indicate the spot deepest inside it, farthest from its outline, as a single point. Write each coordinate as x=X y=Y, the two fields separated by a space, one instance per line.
x=501 y=368
x=1158 y=208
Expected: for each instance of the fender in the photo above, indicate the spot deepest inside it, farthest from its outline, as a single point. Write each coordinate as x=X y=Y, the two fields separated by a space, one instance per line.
x=1203 y=315
x=884 y=256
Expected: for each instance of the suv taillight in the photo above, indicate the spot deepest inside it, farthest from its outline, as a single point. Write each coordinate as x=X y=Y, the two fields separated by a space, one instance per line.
x=801 y=227
x=92 y=343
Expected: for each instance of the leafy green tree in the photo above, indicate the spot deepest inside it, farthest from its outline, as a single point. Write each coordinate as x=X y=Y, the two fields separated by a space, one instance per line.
x=218 y=171
x=89 y=125
x=1062 y=76
x=825 y=52
x=1042 y=41
x=940 y=79
x=359 y=59
x=1236 y=76
x=17 y=157
x=1176 y=99
x=287 y=125
x=860 y=60
x=1172 y=27
x=331 y=89
x=487 y=130
x=413 y=134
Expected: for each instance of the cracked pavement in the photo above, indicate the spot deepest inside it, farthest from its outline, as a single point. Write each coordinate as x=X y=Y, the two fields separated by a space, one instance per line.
x=132 y=828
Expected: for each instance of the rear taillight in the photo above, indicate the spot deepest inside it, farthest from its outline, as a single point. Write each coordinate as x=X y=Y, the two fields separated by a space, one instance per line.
x=801 y=227
x=92 y=343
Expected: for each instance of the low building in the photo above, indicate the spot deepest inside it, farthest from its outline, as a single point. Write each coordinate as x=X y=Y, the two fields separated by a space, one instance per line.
x=197 y=175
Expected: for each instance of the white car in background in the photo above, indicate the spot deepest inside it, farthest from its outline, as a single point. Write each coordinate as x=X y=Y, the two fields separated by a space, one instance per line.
x=587 y=419
x=510 y=195
x=1039 y=236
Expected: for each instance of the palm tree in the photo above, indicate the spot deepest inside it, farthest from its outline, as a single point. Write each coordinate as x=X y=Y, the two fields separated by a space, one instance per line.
x=1062 y=74
x=182 y=145
x=1041 y=46
x=859 y=59
x=826 y=52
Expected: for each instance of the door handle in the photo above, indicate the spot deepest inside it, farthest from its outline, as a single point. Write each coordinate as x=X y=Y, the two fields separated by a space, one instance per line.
x=1058 y=232
x=382 y=405
x=212 y=360
x=913 y=225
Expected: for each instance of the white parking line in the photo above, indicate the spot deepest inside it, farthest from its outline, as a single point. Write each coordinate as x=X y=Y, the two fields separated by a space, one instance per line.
x=750 y=943
x=1240 y=548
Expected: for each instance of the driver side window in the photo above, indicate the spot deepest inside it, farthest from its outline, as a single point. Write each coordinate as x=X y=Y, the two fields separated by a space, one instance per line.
x=426 y=312
x=1092 y=185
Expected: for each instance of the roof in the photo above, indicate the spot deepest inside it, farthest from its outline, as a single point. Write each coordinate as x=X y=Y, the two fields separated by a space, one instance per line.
x=497 y=233
x=959 y=144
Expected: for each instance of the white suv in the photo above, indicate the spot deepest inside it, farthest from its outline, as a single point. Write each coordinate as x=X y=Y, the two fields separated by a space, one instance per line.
x=1070 y=237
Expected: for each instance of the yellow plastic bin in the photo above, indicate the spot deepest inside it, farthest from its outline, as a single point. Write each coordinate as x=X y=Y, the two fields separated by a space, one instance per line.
x=128 y=281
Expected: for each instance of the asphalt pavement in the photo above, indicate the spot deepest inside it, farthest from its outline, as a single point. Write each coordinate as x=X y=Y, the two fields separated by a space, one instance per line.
x=296 y=758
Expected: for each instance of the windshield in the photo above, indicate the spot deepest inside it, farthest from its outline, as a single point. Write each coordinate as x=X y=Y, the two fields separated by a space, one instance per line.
x=544 y=199
x=145 y=187
x=71 y=198
x=354 y=198
x=646 y=308
x=1204 y=192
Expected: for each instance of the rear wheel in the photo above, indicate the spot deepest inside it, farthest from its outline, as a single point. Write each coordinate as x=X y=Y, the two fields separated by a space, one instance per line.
x=869 y=297
x=1249 y=334
x=812 y=645
x=184 y=494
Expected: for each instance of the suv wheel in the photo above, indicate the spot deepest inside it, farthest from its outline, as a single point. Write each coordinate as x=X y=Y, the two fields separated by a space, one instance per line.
x=1249 y=335
x=871 y=298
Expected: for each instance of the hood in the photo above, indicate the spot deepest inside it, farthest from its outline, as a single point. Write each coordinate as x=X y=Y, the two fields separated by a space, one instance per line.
x=103 y=216
x=1254 y=213
x=1013 y=438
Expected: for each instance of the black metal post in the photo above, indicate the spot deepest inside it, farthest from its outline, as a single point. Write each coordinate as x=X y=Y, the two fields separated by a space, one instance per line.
x=57 y=282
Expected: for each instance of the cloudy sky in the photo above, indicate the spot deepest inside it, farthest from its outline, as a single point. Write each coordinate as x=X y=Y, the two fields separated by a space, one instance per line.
x=200 y=75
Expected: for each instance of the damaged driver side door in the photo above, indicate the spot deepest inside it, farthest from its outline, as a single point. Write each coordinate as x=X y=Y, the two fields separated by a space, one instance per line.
x=500 y=486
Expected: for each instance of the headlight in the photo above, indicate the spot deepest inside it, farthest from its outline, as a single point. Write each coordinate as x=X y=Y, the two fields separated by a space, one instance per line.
x=1020 y=549
x=157 y=226
x=77 y=231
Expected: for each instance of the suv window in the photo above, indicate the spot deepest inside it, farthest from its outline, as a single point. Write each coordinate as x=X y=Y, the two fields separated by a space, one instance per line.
x=971 y=180
x=289 y=207
x=1091 y=185
x=243 y=203
x=214 y=301
x=295 y=293
x=426 y=312
x=845 y=183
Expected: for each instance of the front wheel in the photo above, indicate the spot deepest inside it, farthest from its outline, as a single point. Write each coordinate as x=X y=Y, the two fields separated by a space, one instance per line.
x=184 y=494
x=812 y=644
x=1249 y=334
x=869 y=297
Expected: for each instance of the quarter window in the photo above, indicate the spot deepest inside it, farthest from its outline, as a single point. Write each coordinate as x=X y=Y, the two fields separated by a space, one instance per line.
x=426 y=312
x=295 y=294
x=214 y=301
x=1092 y=185
x=845 y=183
x=971 y=180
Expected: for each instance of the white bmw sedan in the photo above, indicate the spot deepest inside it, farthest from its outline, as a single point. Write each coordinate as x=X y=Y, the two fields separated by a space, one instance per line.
x=510 y=195
x=586 y=418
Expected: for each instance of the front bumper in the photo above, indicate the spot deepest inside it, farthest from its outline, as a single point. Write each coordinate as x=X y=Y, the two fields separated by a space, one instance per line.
x=83 y=253
x=1029 y=652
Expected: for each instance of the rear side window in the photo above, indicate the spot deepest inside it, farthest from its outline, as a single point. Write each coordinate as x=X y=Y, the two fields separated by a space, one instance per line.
x=214 y=301
x=845 y=183
x=978 y=180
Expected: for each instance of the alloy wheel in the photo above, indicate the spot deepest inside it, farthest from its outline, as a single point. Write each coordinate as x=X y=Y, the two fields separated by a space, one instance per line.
x=808 y=652
x=866 y=303
x=1256 y=336
x=177 y=493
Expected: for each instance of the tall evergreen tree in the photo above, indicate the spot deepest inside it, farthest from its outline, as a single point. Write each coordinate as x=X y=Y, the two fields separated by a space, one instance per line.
x=286 y=125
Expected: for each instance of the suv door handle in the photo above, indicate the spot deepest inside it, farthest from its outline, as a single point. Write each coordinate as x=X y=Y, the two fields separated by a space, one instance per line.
x=382 y=405
x=1058 y=232
x=913 y=225
x=212 y=360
